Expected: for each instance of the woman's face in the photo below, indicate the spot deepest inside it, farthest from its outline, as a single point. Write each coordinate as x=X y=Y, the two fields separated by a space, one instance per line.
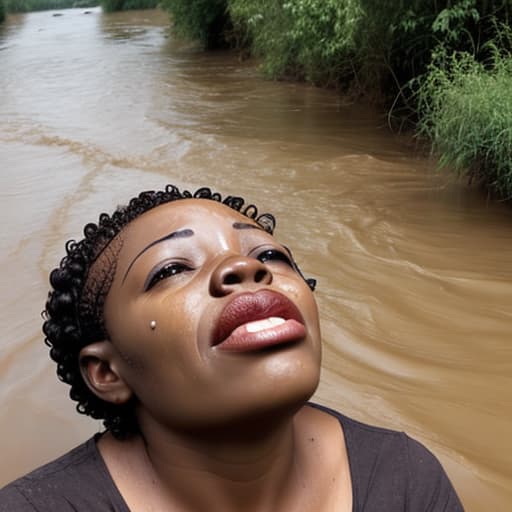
x=210 y=321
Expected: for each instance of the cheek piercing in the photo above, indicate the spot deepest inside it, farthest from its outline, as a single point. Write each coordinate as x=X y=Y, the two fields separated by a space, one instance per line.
x=152 y=324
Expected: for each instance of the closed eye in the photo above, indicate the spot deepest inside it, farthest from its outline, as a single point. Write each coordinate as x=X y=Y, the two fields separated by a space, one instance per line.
x=274 y=255
x=168 y=270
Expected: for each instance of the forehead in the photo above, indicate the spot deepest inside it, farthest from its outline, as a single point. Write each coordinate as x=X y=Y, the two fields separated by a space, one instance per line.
x=188 y=210
x=179 y=214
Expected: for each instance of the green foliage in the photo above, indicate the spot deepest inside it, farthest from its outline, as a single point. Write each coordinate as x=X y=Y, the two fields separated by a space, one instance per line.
x=41 y=5
x=124 y=5
x=466 y=110
x=112 y=5
x=140 y=4
x=309 y=39
x=441 y=62
x=451 y=21
x=2 y=11
x=376 y=46
x=206 y=21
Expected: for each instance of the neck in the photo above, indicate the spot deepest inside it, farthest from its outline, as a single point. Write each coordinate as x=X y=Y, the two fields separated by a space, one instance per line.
x=239 y=467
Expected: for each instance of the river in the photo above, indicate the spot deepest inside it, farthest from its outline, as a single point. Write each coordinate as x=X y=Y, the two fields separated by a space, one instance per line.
x=414 y=269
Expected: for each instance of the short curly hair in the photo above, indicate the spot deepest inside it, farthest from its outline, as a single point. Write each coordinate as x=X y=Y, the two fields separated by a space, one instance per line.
x=74 y=308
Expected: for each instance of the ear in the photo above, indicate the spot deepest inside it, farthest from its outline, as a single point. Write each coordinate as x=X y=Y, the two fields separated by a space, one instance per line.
x=101 y=373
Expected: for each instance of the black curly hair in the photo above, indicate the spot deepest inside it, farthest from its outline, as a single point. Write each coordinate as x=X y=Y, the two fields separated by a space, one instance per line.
x=74 y=308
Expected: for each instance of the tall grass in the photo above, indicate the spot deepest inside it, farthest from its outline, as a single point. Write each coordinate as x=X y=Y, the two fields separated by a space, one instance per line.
x=466 y=110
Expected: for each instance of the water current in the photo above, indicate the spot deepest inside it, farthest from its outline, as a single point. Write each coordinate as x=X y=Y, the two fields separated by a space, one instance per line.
x=414 y=269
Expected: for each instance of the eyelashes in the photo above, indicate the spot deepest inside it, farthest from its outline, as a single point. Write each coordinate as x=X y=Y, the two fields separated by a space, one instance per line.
x=274 y=255
x=168 y=270
x=175 y=268
x=287 y=258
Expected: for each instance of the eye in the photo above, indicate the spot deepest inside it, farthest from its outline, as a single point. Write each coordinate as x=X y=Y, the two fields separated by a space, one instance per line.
x=168 y=270
x=274 y=255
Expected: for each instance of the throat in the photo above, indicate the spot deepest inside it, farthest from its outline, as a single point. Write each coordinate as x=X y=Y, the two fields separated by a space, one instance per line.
x=301 y=466
x=235 y=469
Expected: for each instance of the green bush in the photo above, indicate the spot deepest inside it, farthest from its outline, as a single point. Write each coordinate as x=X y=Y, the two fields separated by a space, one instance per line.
x=206 y=21
x=466 y=110
x=2 y=11
x=112 y=5
x=140 y=4
x=124 y=5
x=306 y=39
x=372 y=46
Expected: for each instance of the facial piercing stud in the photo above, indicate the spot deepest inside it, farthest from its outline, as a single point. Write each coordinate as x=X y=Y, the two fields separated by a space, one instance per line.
x=152 y=324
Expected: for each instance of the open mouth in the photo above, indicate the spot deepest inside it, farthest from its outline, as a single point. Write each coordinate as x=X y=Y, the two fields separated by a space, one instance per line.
x=254 y=321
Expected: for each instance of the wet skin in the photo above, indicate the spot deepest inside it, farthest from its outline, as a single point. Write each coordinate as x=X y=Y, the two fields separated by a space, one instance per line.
x=192 y=266
x=180 y=379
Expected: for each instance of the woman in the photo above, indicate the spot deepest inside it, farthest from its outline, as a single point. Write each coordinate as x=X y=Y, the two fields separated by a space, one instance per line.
x=190 y=330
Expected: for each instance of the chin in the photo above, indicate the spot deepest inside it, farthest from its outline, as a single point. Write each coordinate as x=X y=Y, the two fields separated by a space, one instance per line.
x=286 y=388
x=290 y=376
x=265 y=389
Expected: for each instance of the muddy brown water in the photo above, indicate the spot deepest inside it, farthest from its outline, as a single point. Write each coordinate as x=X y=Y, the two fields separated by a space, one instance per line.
x=414 y=269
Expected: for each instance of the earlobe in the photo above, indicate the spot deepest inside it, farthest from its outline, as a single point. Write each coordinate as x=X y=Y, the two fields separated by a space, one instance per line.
x=101 y=374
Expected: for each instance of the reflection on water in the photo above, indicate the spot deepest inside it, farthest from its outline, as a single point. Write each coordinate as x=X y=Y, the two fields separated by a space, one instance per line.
x=414 y=273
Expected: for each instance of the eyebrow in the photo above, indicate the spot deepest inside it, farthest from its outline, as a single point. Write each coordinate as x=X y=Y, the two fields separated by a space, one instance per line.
x=245 y=225
x=182 y=233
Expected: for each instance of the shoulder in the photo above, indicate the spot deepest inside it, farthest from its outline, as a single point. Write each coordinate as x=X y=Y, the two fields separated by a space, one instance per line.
x=391 y=471
x=78 y=480
x=11 y=499
x=428 y=483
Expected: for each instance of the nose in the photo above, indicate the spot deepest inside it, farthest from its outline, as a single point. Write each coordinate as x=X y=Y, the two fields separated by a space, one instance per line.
x=235 y=271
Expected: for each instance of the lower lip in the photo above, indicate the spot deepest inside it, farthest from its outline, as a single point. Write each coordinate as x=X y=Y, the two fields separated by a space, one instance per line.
x=241 y=340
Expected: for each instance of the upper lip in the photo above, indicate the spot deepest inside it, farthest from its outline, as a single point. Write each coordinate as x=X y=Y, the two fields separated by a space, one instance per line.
x=250 y=307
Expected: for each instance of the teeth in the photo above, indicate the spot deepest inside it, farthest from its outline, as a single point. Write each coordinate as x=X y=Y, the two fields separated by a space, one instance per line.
x=267 y=323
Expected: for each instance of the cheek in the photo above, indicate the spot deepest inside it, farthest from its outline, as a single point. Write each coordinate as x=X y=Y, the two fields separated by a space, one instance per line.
x=313 y=315
x=299 y=291
x=133 y=328
x=160 y=331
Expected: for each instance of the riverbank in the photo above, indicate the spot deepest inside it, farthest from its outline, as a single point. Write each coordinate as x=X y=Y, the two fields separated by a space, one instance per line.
x=387 y=53
x=20 y=6
x=415 y=323
x=465 y=109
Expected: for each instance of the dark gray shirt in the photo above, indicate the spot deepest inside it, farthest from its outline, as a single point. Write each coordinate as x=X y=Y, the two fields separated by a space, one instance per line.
x=390 y=473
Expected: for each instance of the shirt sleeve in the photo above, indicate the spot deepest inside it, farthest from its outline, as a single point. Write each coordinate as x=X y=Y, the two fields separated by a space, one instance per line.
x=12 y=500
x=429 y=488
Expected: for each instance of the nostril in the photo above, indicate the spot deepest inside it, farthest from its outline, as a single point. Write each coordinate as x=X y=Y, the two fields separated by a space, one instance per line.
x=232 y=279
x=235 y=271
x=260 y=275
